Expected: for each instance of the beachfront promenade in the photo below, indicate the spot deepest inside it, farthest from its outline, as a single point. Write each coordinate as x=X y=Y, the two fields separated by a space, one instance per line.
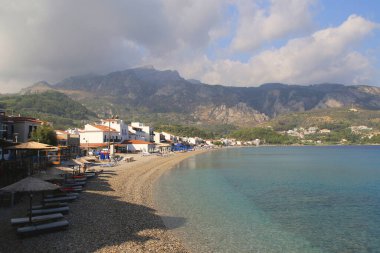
x=115 y=213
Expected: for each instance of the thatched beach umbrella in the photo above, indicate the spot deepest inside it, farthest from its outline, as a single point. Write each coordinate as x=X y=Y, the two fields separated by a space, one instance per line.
x=47 y=176
x=32 y=145
x=30 y=185
x=72 y=163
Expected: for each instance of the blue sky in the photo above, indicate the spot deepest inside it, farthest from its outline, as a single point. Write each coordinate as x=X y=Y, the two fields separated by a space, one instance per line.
x=334 y=12
x=237 y=43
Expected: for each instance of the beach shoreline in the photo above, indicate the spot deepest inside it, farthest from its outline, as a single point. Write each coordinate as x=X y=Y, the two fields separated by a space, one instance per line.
x=116 y=213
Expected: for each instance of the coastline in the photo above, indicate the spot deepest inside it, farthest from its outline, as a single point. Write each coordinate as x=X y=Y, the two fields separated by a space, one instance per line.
x=116 y=213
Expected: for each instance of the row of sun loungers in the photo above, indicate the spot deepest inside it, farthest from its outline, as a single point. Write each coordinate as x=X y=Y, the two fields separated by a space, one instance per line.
x=49 y=216
x=50 y=205
x=62 y=210
x=42 y=228
x=36 y=219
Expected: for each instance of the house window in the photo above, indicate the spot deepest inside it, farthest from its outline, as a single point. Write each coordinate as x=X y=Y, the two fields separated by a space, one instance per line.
x=30 y=131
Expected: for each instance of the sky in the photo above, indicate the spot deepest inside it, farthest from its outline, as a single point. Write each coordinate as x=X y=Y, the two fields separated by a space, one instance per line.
x=235 y=43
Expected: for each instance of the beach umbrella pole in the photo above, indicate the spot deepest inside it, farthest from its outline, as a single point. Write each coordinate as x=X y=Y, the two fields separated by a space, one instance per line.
x=30 y=207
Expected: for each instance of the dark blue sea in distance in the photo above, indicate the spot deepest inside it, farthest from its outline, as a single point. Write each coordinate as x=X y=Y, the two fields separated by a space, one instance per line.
x=276 y=199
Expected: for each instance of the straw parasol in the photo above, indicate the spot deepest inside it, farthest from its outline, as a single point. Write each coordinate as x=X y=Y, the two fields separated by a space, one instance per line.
x=32 y=145
x=30 y=185
x=73 y=163
x=48 y=176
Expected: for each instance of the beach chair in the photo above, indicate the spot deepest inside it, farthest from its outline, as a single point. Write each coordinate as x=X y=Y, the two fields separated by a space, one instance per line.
x=58 y=199
x=81 y=176
x=107 y=165
x=72 y=189
x=62 y=210
x=90 y=174
x=82 y=179
x=36 y=219
x=62 y=194
x=74 y=183
x=50 y=205
x=42 y=228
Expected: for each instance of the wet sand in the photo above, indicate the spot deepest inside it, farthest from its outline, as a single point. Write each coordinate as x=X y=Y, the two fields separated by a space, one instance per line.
x=115 y=213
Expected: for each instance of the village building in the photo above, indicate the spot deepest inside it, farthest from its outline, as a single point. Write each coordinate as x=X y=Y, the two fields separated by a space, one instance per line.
x=136 y=146
x=4 y=127
x=93 y=136
x=209 y=142
x=158 y=137
x=359 y=129
x=169 y=137
x=68 y=144
x=324 y=131
x=119 y=126
x=19 y=129
x=139 y=131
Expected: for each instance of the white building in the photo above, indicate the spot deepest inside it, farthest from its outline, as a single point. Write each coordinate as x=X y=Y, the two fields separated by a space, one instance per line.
x=170 y=137
x=119 y=126
x=107 y=131
x=158 y=137
x=141 y=132
x=139 y=145
x=93 y=135
x=325 y=131
x=23 y=127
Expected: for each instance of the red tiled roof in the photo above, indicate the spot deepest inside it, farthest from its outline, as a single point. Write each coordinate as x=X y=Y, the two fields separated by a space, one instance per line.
x=104 y=128
x=136 y=142
x=23 y=119
x=93 y=145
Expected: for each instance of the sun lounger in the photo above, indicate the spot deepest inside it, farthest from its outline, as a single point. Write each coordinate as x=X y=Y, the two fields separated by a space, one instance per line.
x=57 y=199
x=90 y=174
x=77 y=180
x=72 y=189
x=79 y=176
x=50 y=205
x=63 y=210
x=42 y=228
x=73 y=183
x=62 y=194
x=36 y=219
x=107 y=165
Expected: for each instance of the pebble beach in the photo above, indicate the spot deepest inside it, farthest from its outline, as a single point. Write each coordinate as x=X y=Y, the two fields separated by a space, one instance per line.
x=115 y=213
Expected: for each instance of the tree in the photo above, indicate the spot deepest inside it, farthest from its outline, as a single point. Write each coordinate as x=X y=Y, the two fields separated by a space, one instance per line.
x=45 y=134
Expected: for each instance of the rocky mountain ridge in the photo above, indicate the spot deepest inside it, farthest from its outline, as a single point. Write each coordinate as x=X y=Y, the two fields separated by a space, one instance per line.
x=144 y=91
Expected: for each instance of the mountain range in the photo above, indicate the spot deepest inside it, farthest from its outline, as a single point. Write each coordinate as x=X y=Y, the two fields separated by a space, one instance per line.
x=150 y=95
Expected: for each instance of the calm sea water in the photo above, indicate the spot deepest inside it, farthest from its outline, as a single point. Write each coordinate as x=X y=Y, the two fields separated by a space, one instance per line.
x=276 y=199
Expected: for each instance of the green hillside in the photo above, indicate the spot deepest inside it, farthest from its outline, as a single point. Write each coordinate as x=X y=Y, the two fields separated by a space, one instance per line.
x=326 y=118
x=51 y=106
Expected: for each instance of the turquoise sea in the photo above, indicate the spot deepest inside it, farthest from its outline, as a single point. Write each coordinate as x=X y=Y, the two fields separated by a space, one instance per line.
x=276 y=199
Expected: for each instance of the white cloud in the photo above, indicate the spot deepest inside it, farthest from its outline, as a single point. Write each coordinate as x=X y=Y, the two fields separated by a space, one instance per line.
x=51 y=40
x=258 y=25
x=54 y=39
x=325 y=56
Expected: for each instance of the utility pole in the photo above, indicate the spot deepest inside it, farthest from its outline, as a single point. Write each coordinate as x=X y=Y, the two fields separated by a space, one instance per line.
x=109 y=133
